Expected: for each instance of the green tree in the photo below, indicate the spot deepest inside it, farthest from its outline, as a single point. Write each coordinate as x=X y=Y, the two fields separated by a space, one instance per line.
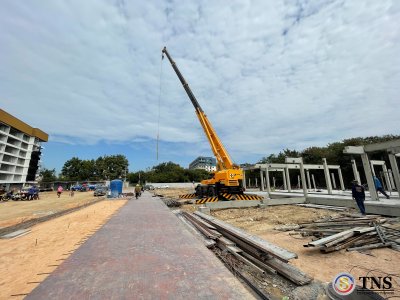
x=48 y=175
x=72 y=169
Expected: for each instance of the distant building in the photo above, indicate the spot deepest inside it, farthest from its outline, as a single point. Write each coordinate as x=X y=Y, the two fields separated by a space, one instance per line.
x=20 y=150
x=206 y=163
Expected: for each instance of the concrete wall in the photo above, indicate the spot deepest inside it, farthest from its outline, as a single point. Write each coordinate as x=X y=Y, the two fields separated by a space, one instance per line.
x=174 y=184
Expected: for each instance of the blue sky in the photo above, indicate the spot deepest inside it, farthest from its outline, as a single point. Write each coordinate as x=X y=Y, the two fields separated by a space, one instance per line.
x=269 y=74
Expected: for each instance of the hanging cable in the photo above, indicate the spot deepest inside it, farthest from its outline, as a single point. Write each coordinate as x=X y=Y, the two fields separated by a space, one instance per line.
x=159 y=104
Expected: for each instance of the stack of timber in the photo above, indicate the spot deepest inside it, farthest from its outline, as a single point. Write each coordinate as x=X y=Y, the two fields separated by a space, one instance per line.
x=257 y=254
x=351 y=233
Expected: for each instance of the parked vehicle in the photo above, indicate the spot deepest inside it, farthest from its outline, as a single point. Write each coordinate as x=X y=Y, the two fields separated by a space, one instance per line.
x=100 y=192
x=76 y=187
x=148 y=187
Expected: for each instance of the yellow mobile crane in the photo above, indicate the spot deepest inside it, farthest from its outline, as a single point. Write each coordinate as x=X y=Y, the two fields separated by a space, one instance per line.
x=226 y=182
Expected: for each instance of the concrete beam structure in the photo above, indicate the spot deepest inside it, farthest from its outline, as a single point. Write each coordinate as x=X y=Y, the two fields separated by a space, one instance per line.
x=355 y=171
x=284 y=179
x=393 y=149
x=262 y=179
x=268 y=182
x=383 y=146
x=313 y=180
x=384 y=169
x=368 y=175
x=299 y=160
x=289 y=186
x=395 y=170
x=333 y=181
x=293 y=165
x=308 y=179
x=341 y=179
x=327 y=178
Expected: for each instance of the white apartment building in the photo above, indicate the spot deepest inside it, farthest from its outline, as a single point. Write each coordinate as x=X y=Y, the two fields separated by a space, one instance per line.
x=206 y=163
x=20 y=150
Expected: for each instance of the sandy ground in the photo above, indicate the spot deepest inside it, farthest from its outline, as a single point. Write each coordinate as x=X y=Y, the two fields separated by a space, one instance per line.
x=14 y=212
x=323 y=267
x=27 y=260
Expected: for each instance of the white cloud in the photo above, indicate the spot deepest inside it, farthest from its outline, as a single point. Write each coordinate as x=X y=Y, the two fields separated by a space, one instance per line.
x=269 y=74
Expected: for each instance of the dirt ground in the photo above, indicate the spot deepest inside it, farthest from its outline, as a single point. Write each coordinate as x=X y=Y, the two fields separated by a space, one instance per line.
x=27 y=260
x=14 y=212
x=323 y=267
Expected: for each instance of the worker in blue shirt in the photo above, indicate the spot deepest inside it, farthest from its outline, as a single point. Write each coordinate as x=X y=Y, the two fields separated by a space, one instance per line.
x=358 y=193
x=379 y=188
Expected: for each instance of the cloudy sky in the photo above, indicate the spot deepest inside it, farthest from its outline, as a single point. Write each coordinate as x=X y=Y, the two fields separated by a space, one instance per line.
x=269 y=74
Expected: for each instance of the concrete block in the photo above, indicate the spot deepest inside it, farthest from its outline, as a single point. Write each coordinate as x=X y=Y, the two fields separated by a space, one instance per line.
x=204 y=209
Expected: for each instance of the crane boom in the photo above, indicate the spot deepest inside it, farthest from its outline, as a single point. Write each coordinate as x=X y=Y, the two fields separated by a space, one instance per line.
x=223 y=159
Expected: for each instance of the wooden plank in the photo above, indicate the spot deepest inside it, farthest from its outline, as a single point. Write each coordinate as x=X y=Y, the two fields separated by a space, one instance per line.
x=340 y=239
x=371 y=246
x=344 y=245
x=259 y=243
x=330 y=238
x=259 y=263
x=289 y=271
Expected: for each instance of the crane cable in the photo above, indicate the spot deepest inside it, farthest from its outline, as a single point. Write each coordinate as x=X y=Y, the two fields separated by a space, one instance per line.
x=159 y=103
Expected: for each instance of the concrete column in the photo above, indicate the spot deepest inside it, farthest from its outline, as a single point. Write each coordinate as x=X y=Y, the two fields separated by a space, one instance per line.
x=303 y=178
x=249 y=183
x=267 y=179
x=299 y=183
x=289 y=187
x=341 y=179
x=262 y=179
x=308 y=179
x=333 y=181
x=273 y=182
x=284 y=180
x=355 y=171
x=244 y=179
x=395 y=171
x=313 y=181
x=386 y=175
x=372 y=169
x=393 y=185
x=368 y=175
x=327 y=178
x=256 y=182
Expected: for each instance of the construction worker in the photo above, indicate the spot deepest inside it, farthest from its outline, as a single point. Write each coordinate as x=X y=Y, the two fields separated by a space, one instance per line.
x=379 y=187
x=358 y=193
x=138 y=190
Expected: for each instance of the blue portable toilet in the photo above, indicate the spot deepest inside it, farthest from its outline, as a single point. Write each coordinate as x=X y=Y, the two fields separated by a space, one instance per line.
x=116 y=188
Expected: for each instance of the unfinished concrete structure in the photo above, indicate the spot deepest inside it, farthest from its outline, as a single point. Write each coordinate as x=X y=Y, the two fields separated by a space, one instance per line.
x=393 y=150
x=297 y=164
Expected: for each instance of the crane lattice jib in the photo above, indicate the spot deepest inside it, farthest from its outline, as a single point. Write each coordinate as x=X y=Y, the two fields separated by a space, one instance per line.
x=223 y=159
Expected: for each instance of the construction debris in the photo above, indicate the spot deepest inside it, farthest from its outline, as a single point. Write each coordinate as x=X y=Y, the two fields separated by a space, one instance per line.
x=329 y=207
x=171 y=202
x=257 y=254
x=351 y=233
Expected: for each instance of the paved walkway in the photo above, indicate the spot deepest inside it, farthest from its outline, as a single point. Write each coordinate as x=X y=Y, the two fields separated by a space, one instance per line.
x=143 y=252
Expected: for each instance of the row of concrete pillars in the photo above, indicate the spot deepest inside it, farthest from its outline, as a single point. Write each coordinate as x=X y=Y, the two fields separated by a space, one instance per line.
x=305 y=177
